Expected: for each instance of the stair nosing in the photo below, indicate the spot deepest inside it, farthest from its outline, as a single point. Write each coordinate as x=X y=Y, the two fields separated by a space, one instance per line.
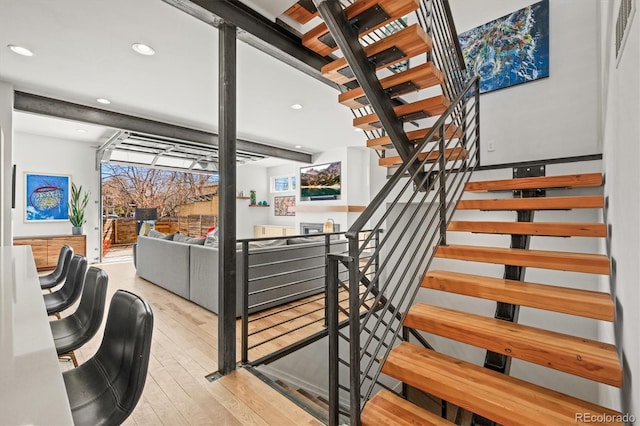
x=564 y=352
x=592 y=304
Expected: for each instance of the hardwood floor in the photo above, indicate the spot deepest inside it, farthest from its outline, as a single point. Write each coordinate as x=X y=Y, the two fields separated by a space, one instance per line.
x=184 y=351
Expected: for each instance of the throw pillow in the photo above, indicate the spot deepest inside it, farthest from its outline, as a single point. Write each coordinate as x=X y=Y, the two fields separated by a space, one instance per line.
x=180 y=238
x=168 y=237
x=155 y=234
x=144 y=229
x=211 y=242
x=197 y=241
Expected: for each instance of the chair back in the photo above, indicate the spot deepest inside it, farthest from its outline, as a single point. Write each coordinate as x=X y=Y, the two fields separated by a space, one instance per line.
x=71 y=290
x=62 y=269
x=105 y=389
x=71 y=332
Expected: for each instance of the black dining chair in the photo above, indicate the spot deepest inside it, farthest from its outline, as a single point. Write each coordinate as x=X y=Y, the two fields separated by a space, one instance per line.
x=59 y=274
x=72 y=332
x=70 y=291
x=105 y=389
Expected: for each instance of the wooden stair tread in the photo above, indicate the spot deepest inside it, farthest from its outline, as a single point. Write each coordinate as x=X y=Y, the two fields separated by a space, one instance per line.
x=584 y=303
x=535 y=203
x=429 y=107
x=550 y=229
x=452 y=154
x=395 y=9
x=574 y=355
x=387 y=408
x=411 y=41
x=420 y=77
x=558 y=260
x=381 y=143
x=498 y=397
x=564 y=181
x=300 y=13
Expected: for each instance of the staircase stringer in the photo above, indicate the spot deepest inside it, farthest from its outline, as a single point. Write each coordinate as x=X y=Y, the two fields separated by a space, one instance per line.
x=506 y=311
x=347 y=40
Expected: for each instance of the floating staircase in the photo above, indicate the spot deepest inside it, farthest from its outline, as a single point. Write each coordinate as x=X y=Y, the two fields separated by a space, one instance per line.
x=492 y=395
x=397 y=103
x=401 y=55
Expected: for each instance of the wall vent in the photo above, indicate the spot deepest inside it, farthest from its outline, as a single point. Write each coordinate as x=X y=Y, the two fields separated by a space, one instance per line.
x=625 y=17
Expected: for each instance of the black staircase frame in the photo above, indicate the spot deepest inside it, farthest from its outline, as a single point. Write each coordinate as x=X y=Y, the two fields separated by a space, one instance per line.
x=507 y=311
x=346 y=37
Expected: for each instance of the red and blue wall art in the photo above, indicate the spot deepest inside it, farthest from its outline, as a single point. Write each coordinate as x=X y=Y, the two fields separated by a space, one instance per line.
x=46 y=197
x=509 y=50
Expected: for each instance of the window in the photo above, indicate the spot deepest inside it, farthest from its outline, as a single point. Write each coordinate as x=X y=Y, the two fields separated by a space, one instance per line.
x=283 y=183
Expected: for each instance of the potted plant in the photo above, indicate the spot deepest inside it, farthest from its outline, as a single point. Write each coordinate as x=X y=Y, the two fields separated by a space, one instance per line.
x=77 y=205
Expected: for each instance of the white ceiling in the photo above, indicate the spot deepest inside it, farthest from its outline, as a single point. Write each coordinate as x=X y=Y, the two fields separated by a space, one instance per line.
x=83 y=52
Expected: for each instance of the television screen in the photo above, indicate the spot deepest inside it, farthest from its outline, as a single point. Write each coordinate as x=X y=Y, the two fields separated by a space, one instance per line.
x=320 y=182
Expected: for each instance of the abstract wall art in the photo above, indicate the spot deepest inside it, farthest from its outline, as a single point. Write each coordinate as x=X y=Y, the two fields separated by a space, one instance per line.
x=46 y=197
x=284 y=206
x=509 y=50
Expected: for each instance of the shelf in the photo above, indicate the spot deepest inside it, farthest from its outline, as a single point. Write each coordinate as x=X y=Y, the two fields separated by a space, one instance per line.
x=259 y=205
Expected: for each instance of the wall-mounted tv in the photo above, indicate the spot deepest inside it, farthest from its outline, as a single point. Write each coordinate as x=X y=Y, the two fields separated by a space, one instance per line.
x=320 y=182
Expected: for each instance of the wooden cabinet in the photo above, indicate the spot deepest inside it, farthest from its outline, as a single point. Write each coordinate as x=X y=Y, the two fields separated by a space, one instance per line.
x=46 y=249
x=260 y=231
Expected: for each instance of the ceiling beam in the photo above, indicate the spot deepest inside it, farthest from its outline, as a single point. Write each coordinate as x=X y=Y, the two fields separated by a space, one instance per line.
x=259 y=32
x=36 y=104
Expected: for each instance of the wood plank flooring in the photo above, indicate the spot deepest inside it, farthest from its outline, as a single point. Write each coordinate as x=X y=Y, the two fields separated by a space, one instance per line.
x=184 y=351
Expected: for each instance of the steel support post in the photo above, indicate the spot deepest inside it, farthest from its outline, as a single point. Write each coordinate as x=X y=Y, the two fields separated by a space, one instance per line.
x=227 y=233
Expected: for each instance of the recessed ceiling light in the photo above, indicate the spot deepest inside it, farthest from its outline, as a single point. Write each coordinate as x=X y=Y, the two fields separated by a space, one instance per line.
x=296 y=106
x=143 y=49
x=20 y=50
x=298 y=146
x=103 y=101
x=81 y=131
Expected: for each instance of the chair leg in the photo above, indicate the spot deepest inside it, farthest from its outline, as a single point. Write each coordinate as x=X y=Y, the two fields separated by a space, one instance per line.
x=71 y=355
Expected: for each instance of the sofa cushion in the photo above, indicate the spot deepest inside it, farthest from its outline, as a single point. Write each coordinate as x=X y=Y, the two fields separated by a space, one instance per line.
x=304 y=240
x=267 y=244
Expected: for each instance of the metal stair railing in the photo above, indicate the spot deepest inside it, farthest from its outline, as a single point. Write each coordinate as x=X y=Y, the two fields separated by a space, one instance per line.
x=414 y=209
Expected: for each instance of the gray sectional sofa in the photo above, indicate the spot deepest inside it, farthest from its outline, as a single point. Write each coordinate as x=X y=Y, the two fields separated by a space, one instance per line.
x=280 y=271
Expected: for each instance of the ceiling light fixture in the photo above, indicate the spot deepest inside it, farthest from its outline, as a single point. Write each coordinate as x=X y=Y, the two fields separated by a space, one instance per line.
x=298 y=146
x=81 y=131
x=23 y=51
x=143 y=49
x=103 y=101
x=296 y=106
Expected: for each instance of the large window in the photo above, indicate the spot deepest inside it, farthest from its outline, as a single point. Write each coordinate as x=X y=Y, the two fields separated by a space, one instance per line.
x=283 y=183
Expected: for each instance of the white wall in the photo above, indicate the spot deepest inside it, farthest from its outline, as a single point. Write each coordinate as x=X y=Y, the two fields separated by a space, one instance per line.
x=49 y=155
x=6 y=162
x=622 y=183
x=552 y=117
x=251 y=177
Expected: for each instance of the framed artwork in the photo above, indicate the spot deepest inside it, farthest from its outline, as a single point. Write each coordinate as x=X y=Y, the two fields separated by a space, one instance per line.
x=509 y=50
x=46 y=197
x=282 y=206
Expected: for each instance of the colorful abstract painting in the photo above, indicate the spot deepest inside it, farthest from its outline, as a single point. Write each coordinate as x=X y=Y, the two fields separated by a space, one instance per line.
x=46 y=197
x=510 y=50
x=284 y=206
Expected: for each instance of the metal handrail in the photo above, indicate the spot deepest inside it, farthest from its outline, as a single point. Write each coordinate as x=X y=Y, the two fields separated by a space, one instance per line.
x=403 y=255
